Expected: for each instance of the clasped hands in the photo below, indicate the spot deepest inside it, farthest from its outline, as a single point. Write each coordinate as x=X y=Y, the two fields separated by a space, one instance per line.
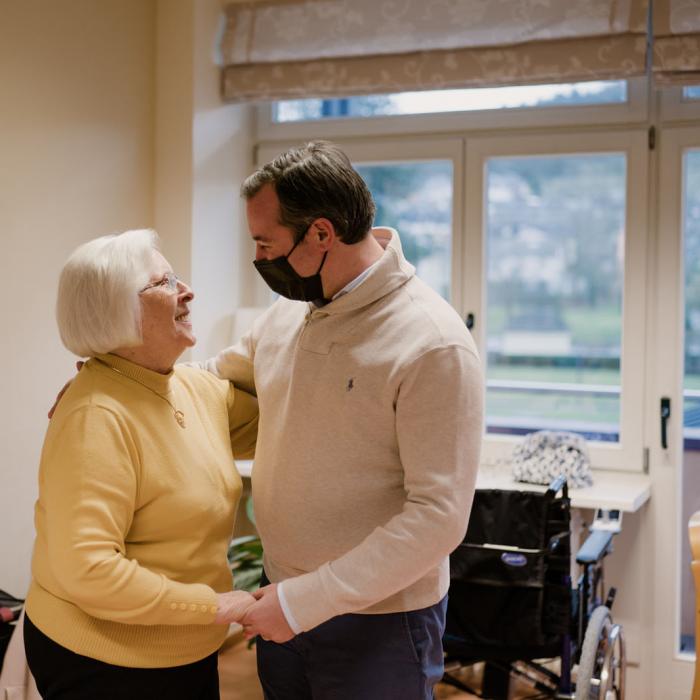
x=259 y=613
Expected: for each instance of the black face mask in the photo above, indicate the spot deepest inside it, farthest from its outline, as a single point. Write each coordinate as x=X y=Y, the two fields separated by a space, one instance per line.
x=283 y=279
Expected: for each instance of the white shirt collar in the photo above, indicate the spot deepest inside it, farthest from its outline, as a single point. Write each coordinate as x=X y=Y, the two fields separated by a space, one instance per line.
x=352 y=284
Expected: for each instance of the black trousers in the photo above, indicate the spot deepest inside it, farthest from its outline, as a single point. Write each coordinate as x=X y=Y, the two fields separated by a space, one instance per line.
x=60 y=673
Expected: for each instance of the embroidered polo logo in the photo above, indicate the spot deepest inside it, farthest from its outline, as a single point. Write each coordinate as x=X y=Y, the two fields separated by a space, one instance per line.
x=351 y=384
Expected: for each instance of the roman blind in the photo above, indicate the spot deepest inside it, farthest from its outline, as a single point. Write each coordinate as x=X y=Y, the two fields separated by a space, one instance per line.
x=282 y=49
x=676 y=54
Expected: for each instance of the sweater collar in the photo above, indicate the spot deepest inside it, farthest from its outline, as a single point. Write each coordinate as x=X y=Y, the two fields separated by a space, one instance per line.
x=391 y=271
x=160 y=383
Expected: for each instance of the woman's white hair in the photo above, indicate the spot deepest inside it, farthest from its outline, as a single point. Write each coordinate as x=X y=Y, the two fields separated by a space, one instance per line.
x=98 y=308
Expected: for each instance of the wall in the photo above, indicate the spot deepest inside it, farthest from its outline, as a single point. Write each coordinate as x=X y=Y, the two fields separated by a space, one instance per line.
x=110 y=120
x=203 y=152
x=76 y=146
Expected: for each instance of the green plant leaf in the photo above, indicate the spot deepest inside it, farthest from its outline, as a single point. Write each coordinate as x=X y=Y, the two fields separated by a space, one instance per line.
x=248 y=580
x=245 y=558
x=236 y=541
x=249 y=510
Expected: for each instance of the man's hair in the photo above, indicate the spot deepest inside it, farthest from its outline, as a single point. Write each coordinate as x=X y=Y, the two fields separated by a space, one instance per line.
x=317 y=181
x=98 y=308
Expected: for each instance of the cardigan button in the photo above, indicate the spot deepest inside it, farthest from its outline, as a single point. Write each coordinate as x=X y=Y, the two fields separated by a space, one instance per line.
x=183 y=606
x=173 y=606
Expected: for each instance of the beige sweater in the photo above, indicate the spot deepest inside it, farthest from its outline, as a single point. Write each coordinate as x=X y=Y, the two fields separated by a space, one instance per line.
x=135 y=513
x=370 y=430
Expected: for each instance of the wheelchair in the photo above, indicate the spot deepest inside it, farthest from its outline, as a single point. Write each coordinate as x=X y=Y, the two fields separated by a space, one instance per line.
x=513 y=606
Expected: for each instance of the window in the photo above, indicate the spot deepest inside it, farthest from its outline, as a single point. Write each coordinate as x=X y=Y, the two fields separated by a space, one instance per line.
x=431 y=101
x=542 y=237
x=556 y=278
x=690 y=215
x=454 y=112
x=555 y=270
x=416 y=199
x=691 y=231
x=416 y=185
x=577 y=293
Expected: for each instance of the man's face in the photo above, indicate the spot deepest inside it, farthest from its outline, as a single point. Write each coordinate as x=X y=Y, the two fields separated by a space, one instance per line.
x=272 y=239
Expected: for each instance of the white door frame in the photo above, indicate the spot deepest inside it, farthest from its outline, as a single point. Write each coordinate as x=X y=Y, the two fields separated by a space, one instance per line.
x=672 y=671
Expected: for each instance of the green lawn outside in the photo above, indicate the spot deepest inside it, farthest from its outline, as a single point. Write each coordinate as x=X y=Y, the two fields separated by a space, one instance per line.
x=599 y=327
x=544 y=407
x=570 y=406
x=554 y=375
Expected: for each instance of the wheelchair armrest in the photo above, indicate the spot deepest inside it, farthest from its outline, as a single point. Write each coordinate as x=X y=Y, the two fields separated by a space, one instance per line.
x=595 y=547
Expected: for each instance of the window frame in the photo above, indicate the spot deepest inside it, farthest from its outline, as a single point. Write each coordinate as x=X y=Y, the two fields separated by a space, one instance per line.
x=673 y=107
x=628 y=453
x=634 y=110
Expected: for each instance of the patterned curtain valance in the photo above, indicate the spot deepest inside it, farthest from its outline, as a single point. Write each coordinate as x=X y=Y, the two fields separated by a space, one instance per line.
x=282 y=49
x=676 y=55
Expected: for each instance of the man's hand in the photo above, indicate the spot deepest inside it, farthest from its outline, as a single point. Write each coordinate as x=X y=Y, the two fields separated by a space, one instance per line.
x=78 y=365
x=266 y=618
x=232 y=606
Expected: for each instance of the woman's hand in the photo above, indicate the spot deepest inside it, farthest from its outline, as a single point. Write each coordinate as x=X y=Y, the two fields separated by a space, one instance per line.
x=232 y=606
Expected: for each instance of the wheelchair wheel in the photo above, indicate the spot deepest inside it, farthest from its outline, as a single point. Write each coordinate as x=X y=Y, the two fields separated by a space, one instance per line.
x=601 y=671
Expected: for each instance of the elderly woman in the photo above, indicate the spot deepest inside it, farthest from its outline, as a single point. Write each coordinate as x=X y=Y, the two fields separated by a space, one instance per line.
x=131 y=590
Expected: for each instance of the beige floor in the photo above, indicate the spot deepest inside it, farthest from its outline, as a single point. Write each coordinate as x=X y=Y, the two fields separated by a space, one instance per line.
x=239 y=680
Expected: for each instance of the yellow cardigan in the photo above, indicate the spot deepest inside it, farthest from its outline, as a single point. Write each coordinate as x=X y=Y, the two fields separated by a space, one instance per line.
x=135 y=513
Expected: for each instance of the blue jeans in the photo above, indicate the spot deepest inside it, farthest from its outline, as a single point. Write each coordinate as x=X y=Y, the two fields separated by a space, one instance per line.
x=393 y=656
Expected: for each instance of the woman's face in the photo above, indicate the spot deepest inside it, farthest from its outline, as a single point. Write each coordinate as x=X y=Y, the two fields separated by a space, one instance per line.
x=165 y=314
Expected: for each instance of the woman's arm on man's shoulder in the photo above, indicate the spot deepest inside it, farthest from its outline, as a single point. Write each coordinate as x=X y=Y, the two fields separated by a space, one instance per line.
x=243 y=422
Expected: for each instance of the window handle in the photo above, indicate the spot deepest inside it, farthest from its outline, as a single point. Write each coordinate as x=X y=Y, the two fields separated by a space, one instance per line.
x=665 y=415
x=469 y=321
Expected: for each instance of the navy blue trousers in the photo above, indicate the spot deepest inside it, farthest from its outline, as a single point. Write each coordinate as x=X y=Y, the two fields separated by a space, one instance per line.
x=394 y=656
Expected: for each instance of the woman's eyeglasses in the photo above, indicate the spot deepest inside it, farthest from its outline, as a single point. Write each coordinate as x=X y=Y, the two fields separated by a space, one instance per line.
x=169 y=281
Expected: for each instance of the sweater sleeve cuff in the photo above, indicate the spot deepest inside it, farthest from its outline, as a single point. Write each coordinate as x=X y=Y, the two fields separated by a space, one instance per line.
x=296 y=628
x=309 y=600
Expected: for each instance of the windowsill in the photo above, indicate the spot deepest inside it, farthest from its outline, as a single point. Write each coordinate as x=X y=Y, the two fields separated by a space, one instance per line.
x=611 y=490
x=245 y=467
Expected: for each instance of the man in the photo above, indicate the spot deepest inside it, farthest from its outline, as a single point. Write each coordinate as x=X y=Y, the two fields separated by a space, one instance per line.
x=370 y=395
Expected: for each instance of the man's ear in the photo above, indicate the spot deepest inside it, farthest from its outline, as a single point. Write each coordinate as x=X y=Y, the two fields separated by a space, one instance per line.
x=323 y=233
